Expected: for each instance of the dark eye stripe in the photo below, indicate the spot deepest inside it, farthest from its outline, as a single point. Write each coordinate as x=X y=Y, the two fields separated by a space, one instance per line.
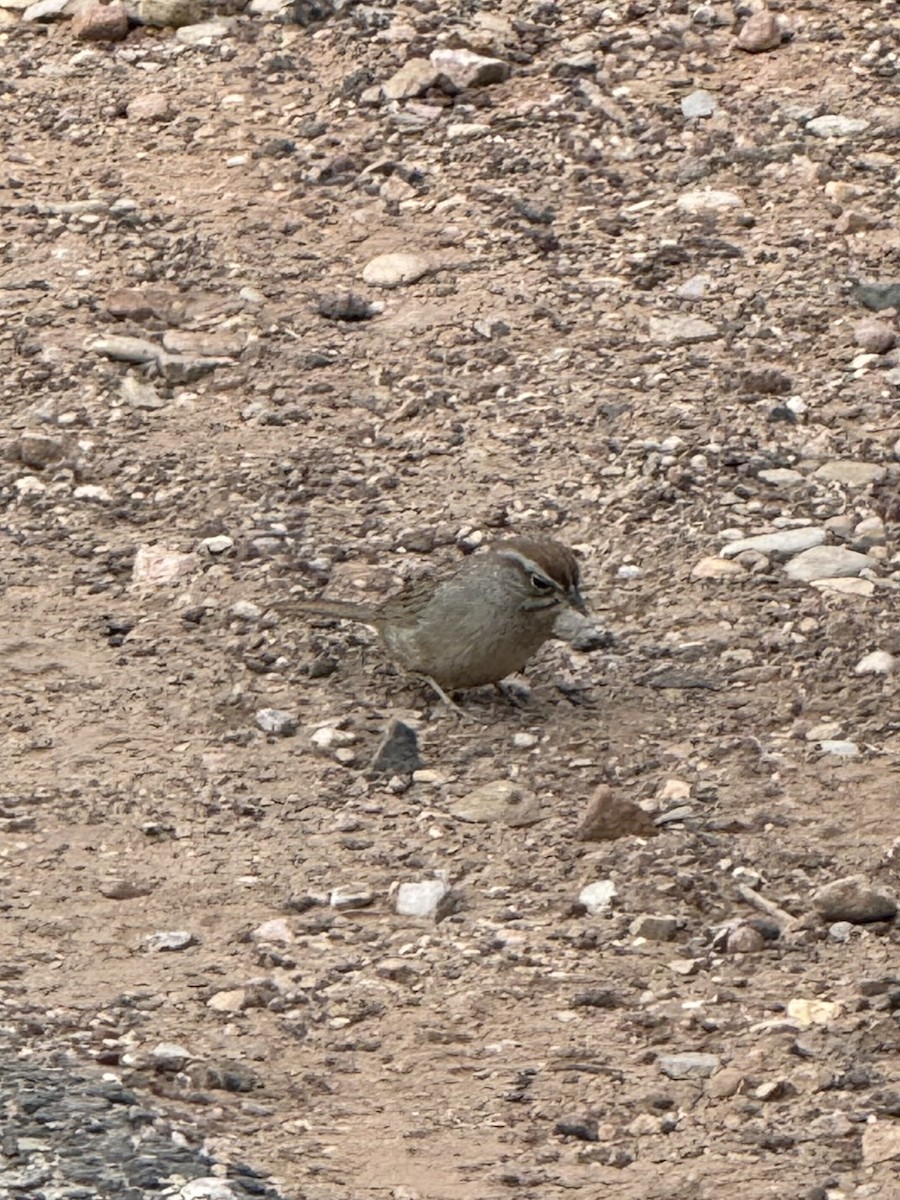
x=541 y=584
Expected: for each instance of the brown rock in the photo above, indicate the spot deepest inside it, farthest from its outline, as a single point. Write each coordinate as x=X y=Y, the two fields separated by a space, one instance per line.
x=39 y=450
x=142 y=304
x=101 y=23
x=760 y=32
x=150 y=106
x=874 y=336
x=610 y=816
x=745 y=940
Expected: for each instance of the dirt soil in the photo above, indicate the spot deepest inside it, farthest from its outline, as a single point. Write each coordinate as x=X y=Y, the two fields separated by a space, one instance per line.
x=526 y=381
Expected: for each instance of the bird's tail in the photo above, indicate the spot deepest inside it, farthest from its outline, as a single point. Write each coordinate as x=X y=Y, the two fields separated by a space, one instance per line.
x=347 y=610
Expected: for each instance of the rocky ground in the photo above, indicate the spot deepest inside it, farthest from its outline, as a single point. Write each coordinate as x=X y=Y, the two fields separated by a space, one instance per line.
x=318 y=300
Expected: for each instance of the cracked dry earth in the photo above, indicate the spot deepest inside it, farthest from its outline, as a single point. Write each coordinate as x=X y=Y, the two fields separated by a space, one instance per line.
x=639 y=330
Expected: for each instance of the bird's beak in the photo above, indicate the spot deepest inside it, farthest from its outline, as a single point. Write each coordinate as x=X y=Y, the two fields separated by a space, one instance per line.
x=576 y=600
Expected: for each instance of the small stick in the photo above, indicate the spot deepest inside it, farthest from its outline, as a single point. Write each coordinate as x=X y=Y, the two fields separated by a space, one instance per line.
x=784 y=919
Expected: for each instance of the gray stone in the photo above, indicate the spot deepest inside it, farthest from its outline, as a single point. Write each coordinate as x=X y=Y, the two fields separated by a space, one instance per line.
x=653 y=928
x=398 y=751
x=277 y=721
x=781 y=545
x=171 y=941
x=45 y=10
x=689 y=1065
x=833 y=125
x=459 y=69
x=698 y=104
x=854 y=899
x=877 y=296
x=827 y=562
x=352 y=895
x=781 y=477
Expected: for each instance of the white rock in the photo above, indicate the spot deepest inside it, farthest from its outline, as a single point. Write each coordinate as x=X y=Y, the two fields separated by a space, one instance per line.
x=879 y=662
x=245 y=610
x=394 y=270
x=156 y=565
x=698 y=104
x=329 y=738
x=218 y=544
x=708 y=199
x=832 y=125
x=781 y=477
x=841 y=749
x=783 y=544
x=597 y=896
x=277 y=721
x=694 y=288
x=827 y=562
x=421 y=899
x=353 y=895
x=276 y=930
x=207 y=1188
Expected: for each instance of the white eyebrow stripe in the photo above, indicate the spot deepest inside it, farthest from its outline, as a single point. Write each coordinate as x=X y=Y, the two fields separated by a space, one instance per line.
x=528 y=565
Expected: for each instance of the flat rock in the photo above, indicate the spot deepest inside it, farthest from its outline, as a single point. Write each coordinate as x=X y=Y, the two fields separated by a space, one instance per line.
x=832 y=125
x=428 y=898
x=718 y=568
x=854 y=899
x=395 y=270
x=827 y=562
x=698 y=104
x=708 y=200
x=681 y=330
x=689 y=1065
x=881 y=1143
x=781 y=545
x=416 y=76
x=500 y=801
x=845 y=587
x=850 y=472
x=781 y=477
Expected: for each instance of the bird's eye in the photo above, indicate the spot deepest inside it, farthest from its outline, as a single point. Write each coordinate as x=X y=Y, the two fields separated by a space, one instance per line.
x=540 y=583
